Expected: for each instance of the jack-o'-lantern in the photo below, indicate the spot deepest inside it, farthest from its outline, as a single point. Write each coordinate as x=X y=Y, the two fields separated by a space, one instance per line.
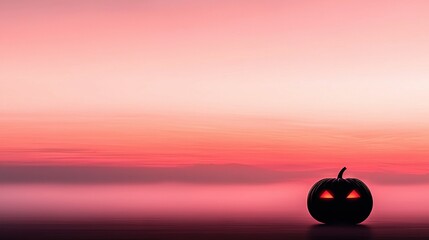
x=339 y=200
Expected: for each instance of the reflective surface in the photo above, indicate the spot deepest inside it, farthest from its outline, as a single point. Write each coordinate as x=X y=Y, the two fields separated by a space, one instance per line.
x=191 y=211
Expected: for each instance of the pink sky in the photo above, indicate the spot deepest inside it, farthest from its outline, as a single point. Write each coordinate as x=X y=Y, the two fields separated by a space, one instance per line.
x=273 y=83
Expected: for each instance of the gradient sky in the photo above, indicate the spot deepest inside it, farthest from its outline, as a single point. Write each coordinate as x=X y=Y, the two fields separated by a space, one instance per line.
x=281 y=84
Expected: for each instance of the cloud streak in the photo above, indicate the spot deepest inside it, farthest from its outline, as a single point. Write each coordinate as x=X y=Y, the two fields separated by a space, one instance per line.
x=193 y=174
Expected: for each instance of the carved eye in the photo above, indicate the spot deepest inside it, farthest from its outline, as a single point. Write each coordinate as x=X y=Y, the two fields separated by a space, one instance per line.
x=326 y=195
x=353 y=195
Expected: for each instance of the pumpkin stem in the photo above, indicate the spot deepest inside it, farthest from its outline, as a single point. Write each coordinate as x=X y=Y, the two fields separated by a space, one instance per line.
x=340 y=174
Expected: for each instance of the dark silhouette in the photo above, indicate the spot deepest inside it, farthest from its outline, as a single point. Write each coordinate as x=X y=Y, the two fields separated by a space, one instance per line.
x=339 y=200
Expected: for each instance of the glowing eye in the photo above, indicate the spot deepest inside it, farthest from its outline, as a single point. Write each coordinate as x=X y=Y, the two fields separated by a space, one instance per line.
x=326 y=195
x=353 y=195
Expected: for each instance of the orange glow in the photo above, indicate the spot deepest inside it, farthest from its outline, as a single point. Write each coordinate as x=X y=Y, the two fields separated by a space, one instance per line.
x=353 y=195
x=216 y=82
x=154 y=109
x=326 y=195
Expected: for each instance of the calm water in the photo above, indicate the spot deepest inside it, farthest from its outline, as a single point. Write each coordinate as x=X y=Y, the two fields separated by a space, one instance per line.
x=193 y=211
x=169 y=201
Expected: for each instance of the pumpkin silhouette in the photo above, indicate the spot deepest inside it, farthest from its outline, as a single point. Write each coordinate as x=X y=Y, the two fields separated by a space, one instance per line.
x=339 y=200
